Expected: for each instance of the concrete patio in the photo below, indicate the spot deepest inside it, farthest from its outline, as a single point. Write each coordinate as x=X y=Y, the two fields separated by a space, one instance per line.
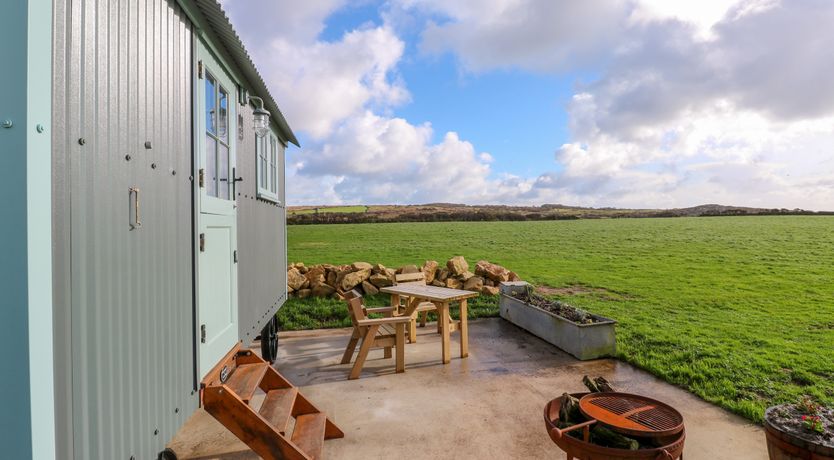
x=486 y=406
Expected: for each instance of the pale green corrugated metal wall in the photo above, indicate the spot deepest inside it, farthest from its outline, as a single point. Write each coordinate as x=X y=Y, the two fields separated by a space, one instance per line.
x=123 y=298
x=262 y=283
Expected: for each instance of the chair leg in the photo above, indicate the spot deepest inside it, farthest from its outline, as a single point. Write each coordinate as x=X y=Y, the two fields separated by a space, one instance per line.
x=351 y=347
x=387 y=353
x=412 y=331
x=400 y=345
x=367 y=342
x=423 y=317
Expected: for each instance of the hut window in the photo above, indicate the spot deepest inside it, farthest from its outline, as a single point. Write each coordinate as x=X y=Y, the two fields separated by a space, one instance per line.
x=269 y=150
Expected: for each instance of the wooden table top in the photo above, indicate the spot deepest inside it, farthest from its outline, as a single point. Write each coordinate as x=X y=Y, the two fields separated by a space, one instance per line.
x=433 y=293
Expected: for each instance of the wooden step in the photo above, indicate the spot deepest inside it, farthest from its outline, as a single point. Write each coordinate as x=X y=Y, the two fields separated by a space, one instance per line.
x=308 y=434
x=245 y=379
x=277 y=407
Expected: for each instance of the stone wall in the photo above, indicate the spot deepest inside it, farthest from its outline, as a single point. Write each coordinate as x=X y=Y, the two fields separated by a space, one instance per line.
x=328 y=280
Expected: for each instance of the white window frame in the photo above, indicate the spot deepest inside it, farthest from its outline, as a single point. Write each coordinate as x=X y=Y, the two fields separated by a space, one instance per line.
x=269 y=150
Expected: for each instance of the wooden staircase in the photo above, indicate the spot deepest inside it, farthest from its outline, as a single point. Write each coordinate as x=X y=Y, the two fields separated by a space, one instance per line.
x=229 y=387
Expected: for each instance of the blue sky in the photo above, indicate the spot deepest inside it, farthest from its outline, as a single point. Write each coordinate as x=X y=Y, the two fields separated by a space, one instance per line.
x=633 y=103
x=520 y=140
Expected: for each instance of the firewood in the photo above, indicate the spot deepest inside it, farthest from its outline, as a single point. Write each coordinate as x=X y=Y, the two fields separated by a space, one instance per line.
x=569 y=412
x=602 y=436
x=592 y=385
x=604 y=385
x=597 y=385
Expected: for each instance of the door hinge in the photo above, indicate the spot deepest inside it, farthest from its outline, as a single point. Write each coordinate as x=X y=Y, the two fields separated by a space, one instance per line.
x=235 y=255
x=202 y=242
x=202 y=177
x=200 y=69
x=202 y=333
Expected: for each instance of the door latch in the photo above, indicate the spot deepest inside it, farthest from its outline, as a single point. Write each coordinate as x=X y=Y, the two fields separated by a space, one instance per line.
x=202 y=242
x=202 y=177
x=200 y=70
x=202 y=333
x=235 y=255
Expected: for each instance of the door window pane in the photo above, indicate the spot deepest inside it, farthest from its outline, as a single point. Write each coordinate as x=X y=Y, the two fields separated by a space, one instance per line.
x=211 y=166
x=211 y=123
x=223 y=116
x=272 y=163
x=223 y=173
x=262 y=171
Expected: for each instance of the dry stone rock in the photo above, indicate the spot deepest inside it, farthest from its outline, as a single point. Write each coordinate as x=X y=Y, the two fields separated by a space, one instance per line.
x=457 y=265
x=304 y=293
x=369 y=288
x=489 y=290
x=378 y=268
x=391 y=273
x=331 y=277
x=361 y=266
x=442 y=274
x=323 y=290
x=514 y=277
x=438 y=283
x=350 y=280
x=295 y=280
x=430 y=270
x=466 y=275
x=489 y=282
x=409 y=269
x=379 y=280
x=315 y=275
x=492 y=271
x=453 y=283
x=475 y=283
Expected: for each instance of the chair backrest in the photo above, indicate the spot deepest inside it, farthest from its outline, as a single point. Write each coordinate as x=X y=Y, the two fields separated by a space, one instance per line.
x=410 y=278
x=355 y=308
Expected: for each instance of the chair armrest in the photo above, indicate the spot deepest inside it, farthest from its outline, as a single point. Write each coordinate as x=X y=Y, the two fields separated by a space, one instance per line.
x=381 y=321
x=381 y=309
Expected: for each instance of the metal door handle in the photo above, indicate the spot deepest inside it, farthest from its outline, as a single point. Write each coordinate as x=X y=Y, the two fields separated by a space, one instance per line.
x=235 y=180
x=136 y=223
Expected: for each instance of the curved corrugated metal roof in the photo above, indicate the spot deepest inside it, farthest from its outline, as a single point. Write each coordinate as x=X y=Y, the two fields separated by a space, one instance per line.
x=222 y=27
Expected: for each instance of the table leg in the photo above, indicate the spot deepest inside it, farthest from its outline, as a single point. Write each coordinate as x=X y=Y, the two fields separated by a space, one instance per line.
x=412 y=326
x=443 y=313
x=464 y=331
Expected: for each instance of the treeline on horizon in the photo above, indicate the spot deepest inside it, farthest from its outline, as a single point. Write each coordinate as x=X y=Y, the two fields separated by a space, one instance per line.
x=496 y=214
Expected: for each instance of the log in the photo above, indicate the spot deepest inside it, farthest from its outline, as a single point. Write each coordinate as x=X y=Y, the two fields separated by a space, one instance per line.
x=604 y=385
x=592 y=386
x=569 y=412
x=602 y=436
x=597 y=385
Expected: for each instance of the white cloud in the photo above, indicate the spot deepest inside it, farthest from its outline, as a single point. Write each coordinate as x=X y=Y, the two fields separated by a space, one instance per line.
x=319 y=83
x=724 y=101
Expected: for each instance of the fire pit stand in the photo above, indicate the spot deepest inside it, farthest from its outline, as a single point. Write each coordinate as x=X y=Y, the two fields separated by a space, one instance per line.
x=643 y=416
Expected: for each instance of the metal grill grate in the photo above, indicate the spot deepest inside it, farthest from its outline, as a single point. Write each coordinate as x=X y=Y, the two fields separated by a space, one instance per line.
x=633 y=414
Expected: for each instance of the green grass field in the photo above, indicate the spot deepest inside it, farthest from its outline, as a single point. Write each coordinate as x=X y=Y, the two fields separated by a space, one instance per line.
x=739 y=310
x=334 y=209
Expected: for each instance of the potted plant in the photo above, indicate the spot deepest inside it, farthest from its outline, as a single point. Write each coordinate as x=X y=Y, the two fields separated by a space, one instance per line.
x=582 y=334
x=803 y=430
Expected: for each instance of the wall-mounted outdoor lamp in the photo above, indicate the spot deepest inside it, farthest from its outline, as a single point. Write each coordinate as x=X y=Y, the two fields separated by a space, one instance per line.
x=261 y=117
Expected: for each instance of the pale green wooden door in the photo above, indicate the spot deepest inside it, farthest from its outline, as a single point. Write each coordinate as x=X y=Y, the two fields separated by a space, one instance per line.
x=215 y=147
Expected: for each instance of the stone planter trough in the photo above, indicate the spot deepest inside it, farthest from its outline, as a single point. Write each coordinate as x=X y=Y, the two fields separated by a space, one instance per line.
x=584 y=341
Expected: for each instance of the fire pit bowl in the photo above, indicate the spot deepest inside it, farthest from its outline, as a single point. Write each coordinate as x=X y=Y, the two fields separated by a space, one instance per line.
x=672 y=448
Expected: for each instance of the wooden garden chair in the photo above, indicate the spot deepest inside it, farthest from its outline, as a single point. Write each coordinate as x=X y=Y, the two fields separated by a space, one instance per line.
x=386 y=333
x=423 y=308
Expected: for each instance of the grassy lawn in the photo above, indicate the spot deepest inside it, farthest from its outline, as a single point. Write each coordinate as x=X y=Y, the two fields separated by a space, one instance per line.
x=335 y=209
x=738 y=310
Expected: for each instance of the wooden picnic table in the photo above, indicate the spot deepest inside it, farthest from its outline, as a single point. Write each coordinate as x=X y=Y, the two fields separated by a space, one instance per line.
x=442 y=297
